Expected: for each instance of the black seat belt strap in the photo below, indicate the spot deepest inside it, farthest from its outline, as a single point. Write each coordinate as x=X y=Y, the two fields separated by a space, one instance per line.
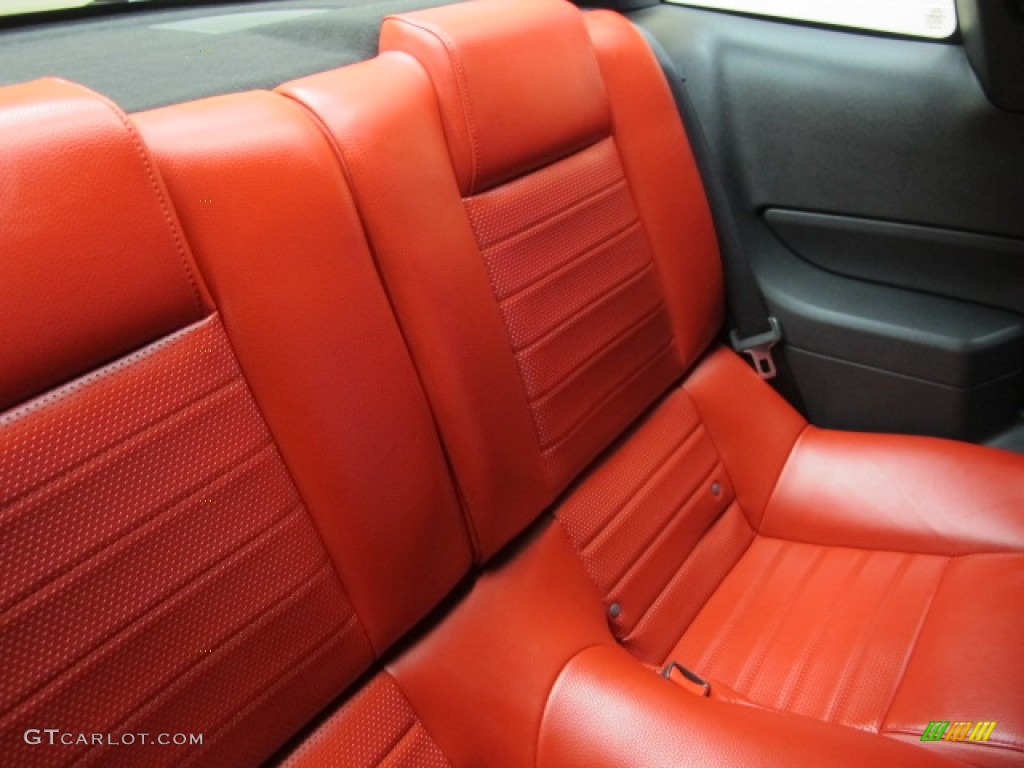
x=754 y=330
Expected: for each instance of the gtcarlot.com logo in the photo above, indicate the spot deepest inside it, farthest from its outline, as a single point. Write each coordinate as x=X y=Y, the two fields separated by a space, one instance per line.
x=55 y=736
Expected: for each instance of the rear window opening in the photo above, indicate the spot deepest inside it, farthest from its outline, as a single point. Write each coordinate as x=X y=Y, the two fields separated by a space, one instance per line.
x=934 y=19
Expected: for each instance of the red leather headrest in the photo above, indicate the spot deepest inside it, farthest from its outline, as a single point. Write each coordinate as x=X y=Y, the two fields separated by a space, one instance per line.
x=92 y=261
x=499 y=68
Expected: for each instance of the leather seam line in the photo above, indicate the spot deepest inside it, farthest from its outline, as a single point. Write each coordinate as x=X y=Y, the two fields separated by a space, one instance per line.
x=589 y=305
x=584 y=172
x=855 y=660
x=159 y=513
x=721 y=457
x=165 y=206
x=647 y=550
x=557 y=443
x=175 y=498
x=556 y=271
x=727 y=627
x=638 y=488
x=748 y=674
x=301 y=662
x=132 y=626
x=537 y=226
x=397 y=741
x=463 y=89
x=550 y=690
x=99 y=454
x=810 y=649
x=412 y=711
x=594 y=358
x=89 y=378
x=913 y=645
x=678 y=575
x=240 y=635
x=334 y=147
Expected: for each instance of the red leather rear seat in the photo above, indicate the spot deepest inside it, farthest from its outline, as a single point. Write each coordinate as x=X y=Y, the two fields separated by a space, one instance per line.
x=225 y=504
x=195 y=542
x=556 y=284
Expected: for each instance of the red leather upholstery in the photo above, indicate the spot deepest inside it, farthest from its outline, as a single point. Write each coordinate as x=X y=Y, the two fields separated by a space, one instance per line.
x=607 y=711
x=740 y=588
x=657 y=528
x=96 y=271
x=376 y=727
x=481 y=678
x=194 y=541
x=868 y=597
x=264 y=204
x=434 y=273
x=501 y=126
x=159 y=571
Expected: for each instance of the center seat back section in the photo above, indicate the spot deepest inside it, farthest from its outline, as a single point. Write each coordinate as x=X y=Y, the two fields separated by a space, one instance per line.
x=535 y=281
x=197 y=543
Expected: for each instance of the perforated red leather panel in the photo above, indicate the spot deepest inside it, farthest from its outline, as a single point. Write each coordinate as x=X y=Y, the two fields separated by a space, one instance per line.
x=159 y=572
x=639 y=518
x=571 y=269
x=820 y=631
x=376 y=727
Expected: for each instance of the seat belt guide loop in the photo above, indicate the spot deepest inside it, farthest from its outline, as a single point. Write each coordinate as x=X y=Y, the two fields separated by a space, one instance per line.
x=759 y=348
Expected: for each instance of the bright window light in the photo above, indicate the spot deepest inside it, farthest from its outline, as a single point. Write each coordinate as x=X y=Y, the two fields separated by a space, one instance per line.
x=921 y=18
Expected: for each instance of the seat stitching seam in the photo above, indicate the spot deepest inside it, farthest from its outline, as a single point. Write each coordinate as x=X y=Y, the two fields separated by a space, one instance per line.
x=812 y=649
x=727 y=627
x=638 y=488
x=618 y=340
x=463 y=88
x=630 y=377
x=855 y=659
x=671 y=518
x=552 y=271
x=563 y=324
x=322 y=570
x=554 y=217
x=154 y=515
x=913 y=645
x=161 y=200
x=748 y=674
x=138 y=622
x=102 y=452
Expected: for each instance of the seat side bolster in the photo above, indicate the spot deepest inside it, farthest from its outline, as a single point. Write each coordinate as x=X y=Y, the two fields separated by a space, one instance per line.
x=752 y=427
x=899 y=492
x=664 y=181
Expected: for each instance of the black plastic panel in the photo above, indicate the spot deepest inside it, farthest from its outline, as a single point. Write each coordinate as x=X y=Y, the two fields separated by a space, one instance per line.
x=842 y=395
x=880 y=161
x=961 y=265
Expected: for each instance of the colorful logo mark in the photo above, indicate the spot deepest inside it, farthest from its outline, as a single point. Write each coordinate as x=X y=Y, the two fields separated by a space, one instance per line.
x=959 y=730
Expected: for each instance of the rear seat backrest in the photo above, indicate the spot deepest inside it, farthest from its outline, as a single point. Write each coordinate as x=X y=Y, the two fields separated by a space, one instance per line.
x=100 y=264
x=265 y=207
x=562 y=274
x=160 y=572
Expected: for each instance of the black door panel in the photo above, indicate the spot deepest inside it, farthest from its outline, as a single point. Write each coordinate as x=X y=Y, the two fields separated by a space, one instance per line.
x=880 y=197
x=961 y=265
